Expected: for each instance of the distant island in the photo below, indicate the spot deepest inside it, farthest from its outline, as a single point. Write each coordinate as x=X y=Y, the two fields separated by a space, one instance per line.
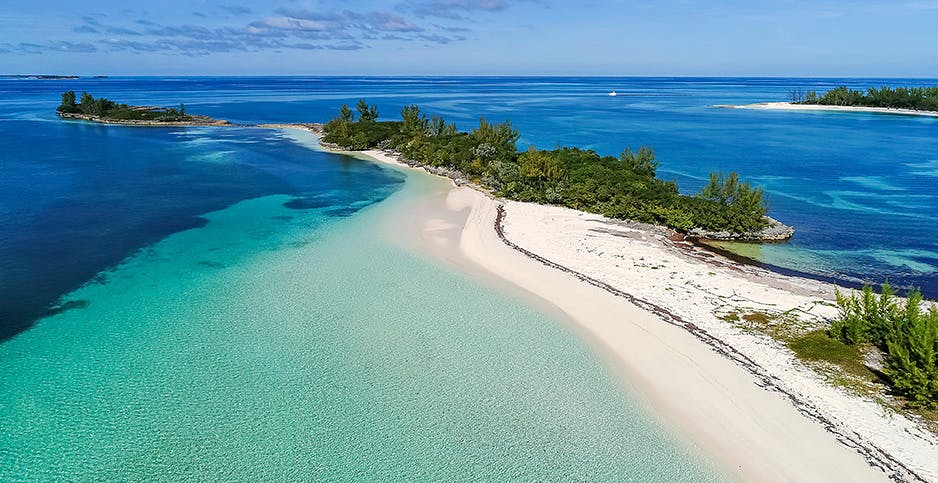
x=624 y=187
x=47 y=76
x=913 y=101
x=912 y=98
x=89 y=108
x=39 y=76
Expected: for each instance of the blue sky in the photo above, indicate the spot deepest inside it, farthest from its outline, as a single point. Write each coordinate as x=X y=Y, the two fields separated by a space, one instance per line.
x=471 y=37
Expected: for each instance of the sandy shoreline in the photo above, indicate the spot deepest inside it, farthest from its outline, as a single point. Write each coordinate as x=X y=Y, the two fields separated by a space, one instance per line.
x=740 y=397
x=787 y=106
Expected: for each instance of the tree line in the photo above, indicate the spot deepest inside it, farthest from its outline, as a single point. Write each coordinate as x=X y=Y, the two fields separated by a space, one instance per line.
x=624 y=187
x=916 y=98
x=108 y=109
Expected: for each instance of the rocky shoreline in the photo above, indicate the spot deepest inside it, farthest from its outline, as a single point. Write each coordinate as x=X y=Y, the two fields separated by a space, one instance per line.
x=774 y=231
x=194 y=121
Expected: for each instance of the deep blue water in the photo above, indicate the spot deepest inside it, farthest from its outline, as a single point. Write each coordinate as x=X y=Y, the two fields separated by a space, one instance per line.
x=75 y=198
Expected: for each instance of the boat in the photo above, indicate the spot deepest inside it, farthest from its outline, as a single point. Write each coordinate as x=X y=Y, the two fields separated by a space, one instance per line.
x=613 y=93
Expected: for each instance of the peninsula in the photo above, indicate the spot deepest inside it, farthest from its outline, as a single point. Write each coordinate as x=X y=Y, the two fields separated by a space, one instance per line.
x=624 y=187
x=909 y=101
x=106 y=111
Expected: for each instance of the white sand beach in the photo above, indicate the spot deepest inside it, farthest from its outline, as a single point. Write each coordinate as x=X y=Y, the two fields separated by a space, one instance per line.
x=651 y=308
x=787 y=106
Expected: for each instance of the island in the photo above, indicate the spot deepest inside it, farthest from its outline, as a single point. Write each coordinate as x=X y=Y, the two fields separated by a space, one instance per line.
x=40 y=77
x=623 y=187
x=102 y=110
x=910 y=101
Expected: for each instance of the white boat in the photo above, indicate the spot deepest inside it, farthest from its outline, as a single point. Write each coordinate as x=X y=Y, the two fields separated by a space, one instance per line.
x=613 y=93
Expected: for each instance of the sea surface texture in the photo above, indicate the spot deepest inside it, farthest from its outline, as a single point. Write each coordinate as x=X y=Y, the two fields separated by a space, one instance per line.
x=200 y=304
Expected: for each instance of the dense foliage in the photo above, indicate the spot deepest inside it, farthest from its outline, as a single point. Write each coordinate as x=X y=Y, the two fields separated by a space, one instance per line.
x=905 y=332
x=917 y=98
x=108 y=109
x=619 y=187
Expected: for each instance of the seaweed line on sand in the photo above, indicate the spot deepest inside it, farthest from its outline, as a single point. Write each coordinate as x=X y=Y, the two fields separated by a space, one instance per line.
x=875 y=456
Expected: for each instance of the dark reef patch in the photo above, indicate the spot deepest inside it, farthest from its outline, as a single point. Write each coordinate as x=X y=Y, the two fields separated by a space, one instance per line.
x=66 y=306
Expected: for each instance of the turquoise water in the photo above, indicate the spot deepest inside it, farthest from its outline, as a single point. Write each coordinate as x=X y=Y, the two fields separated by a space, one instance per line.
x=278 y=343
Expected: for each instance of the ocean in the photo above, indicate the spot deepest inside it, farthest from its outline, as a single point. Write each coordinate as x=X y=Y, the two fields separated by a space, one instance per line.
x=199 y=302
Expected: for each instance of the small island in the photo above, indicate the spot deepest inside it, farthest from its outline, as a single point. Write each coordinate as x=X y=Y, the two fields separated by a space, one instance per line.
x=40 y=77
x=101 y=110
x=623 y=187
x=909 y=101
x=910 y=98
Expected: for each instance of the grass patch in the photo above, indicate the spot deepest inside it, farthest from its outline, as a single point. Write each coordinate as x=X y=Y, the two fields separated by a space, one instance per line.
x=730 y=317
x=817 y=346
x=760 y=318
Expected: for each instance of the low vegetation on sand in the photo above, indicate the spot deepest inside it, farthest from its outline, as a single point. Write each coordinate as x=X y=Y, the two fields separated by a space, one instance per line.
x=876 y=342
x=619 y=187
x=914 y=98
x=106 y=109
x=904 y=330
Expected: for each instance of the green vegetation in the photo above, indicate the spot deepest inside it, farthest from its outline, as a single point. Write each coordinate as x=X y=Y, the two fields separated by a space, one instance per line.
x=620 y=187
x=916 y=98
x=906 y=333
x=819 y=346
x=107 y=109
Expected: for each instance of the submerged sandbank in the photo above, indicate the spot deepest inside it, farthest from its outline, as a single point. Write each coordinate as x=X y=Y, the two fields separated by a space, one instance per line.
x=787 y=106
x=741 y=397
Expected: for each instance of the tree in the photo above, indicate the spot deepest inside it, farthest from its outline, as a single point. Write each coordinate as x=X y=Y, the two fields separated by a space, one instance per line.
x=737 y=206
x=345 y=114
x=68 y=98
x=414 y=122
x=438 y=127
x=366 y=113
x=642 y=163
x=182 y=109
x=86 y=103
x=796 y=96
x=540 y=166
x=68 y=103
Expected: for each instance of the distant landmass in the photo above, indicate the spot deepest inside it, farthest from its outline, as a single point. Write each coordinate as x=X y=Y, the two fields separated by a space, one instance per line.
x=46 y=76
x=107 y=111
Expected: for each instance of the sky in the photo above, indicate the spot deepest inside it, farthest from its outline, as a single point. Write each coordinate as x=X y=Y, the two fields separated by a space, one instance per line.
x=818 y=38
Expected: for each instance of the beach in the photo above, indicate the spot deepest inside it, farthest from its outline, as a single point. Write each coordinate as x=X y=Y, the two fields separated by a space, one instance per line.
x=787 y=106
x=652 y=309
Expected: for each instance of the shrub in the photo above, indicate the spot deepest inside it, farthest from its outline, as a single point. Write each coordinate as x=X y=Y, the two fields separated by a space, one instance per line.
x=904 y=331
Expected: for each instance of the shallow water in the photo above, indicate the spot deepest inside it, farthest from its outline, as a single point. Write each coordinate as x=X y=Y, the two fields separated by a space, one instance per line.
x=283 y=343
